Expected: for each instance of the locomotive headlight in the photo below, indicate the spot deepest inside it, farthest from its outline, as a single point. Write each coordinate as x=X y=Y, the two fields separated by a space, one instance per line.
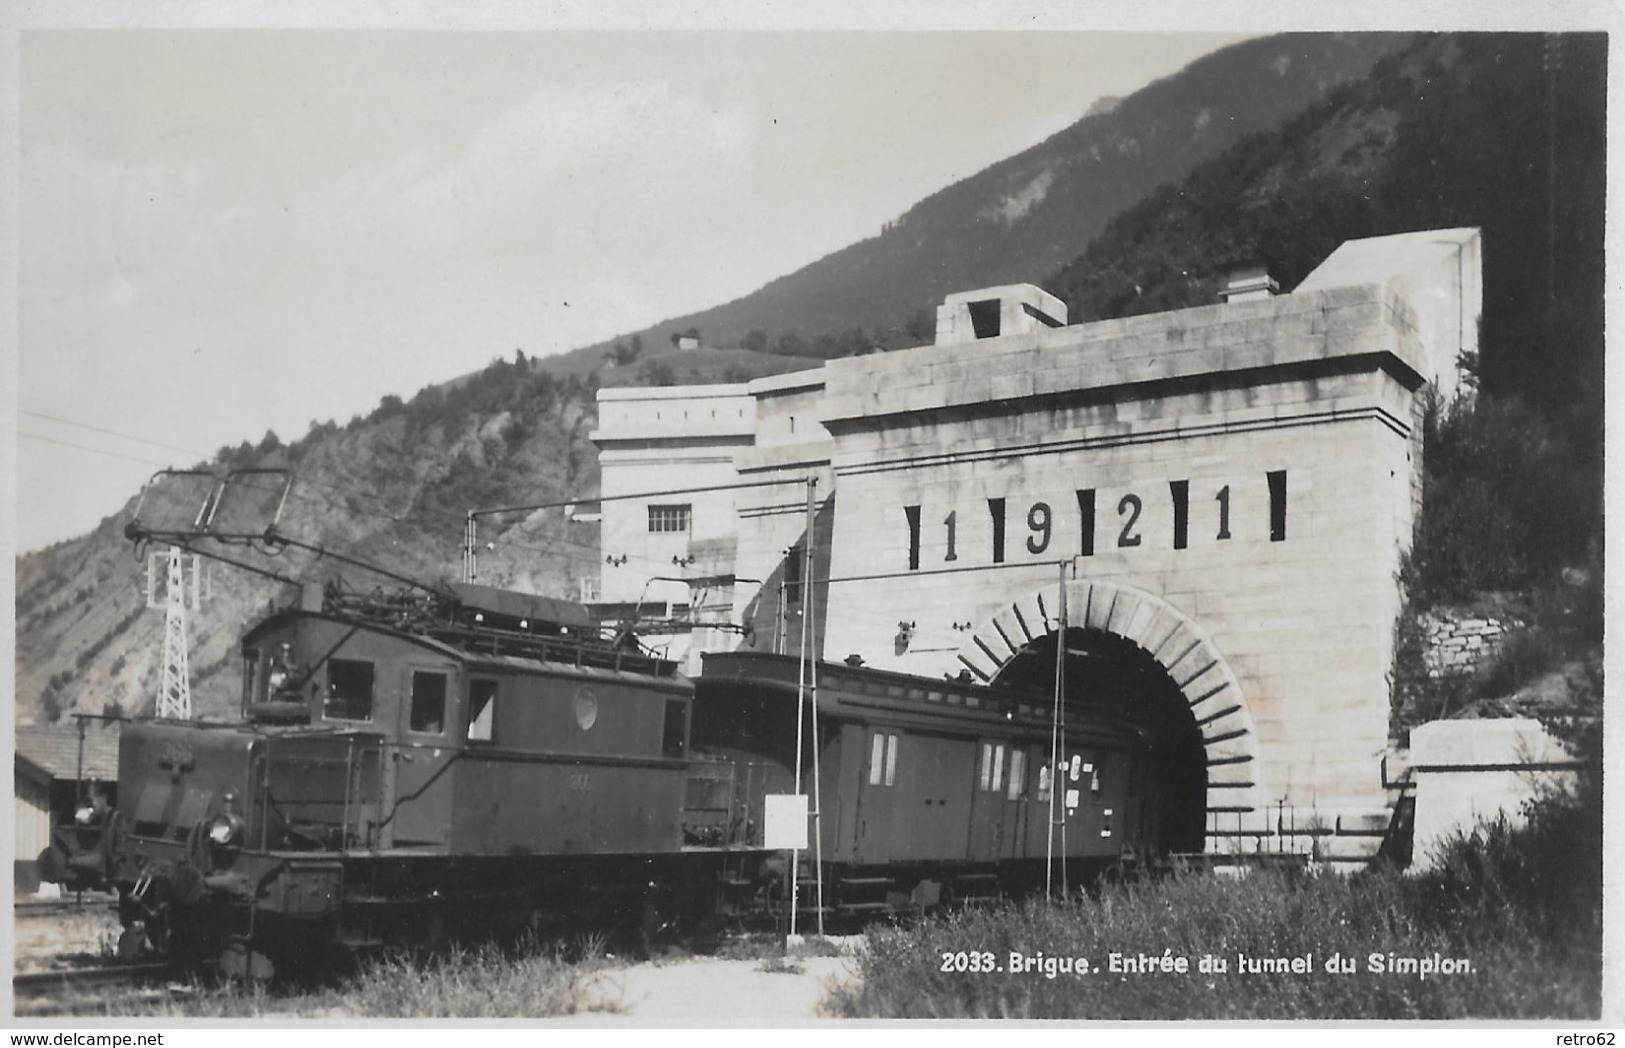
x=225 y=830
x=85 y=814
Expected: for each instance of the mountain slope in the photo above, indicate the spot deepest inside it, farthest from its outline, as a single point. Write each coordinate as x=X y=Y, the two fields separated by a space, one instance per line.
x=1034 y=211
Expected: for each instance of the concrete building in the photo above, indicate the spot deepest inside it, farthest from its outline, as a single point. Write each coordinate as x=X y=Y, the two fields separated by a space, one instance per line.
x=1214 y=500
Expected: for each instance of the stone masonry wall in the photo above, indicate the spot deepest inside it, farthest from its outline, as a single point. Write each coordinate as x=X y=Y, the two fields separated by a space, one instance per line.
x=1460 y=641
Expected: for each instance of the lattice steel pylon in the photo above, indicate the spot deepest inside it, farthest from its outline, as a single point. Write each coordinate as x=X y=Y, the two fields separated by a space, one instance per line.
x=175 y=692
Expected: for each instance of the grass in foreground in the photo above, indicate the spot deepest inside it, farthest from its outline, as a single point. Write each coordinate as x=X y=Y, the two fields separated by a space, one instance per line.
x=1519 y=910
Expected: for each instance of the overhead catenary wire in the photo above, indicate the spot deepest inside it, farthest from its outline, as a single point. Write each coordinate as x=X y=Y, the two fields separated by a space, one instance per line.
x=561 y=545
x=86 y=447
x=471 y=523
x=112 y=432
x=554 y=544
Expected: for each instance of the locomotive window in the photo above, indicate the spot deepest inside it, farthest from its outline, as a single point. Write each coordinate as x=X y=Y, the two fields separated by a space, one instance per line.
x=883 y=760
x=482 y=709
x=1018 y=778
x=349 y=690
x=428 y=702
x=1043 y=782
x=673 y=743
x=251 y=676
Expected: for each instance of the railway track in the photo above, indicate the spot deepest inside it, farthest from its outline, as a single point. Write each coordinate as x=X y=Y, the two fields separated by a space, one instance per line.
x=89 y=902
x=45 y=993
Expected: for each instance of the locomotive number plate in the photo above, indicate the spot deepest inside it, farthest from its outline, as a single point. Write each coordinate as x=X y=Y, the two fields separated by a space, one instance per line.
x=176 y=755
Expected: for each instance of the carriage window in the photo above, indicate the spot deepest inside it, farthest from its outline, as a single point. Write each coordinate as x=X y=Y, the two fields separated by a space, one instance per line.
x=428 y=702
x=883 y=760
x=1018 y=777
x=482 y=709
x=349 y=690
x=1093 y=771
x=1043 y=782
x=991 y=777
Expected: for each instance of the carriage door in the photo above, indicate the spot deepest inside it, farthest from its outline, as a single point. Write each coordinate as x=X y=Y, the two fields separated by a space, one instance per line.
x=987 y=815
x=874 y=837
x=422 y=814
x=1014 y=832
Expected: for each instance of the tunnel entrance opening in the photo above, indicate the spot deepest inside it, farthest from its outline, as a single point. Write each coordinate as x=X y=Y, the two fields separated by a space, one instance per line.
x=1108 y=675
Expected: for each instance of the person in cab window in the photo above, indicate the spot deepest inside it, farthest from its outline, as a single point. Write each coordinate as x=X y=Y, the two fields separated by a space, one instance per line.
x=281 y=676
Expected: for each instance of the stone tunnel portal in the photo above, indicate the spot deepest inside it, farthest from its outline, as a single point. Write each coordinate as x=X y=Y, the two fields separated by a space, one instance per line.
x=1108 y=675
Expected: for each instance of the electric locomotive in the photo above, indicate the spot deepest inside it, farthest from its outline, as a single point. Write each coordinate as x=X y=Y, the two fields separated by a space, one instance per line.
x=407 y=767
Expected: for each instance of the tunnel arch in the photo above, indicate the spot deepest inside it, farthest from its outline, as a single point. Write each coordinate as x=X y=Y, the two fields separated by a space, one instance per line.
x=1163 y=636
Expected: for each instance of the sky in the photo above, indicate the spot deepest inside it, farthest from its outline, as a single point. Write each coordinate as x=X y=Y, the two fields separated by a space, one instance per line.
x=225 y=231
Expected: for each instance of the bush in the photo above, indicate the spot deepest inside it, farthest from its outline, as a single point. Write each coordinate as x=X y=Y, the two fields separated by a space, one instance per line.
x=1523 y=656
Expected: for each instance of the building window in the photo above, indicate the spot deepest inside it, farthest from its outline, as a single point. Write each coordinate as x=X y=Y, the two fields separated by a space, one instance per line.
x=668 y=520
x=428 y=702
x=883 y=760
x=349 y=690
x=482 y=709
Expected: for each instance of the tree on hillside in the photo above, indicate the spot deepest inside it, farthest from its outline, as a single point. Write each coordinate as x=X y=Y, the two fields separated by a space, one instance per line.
x=657 y=373
x=1510 y=136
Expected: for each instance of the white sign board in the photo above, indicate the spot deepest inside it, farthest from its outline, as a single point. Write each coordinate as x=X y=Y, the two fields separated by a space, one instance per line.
x=785 y=821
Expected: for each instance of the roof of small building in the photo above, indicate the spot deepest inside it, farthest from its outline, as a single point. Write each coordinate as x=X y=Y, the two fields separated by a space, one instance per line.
x=54 y=749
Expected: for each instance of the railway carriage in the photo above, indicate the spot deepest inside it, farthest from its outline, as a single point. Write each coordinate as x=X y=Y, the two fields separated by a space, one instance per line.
x=936 y=790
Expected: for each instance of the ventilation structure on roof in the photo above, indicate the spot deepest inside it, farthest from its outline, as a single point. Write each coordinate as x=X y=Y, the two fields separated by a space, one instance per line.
x=967 y=316
x=1249 y=281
